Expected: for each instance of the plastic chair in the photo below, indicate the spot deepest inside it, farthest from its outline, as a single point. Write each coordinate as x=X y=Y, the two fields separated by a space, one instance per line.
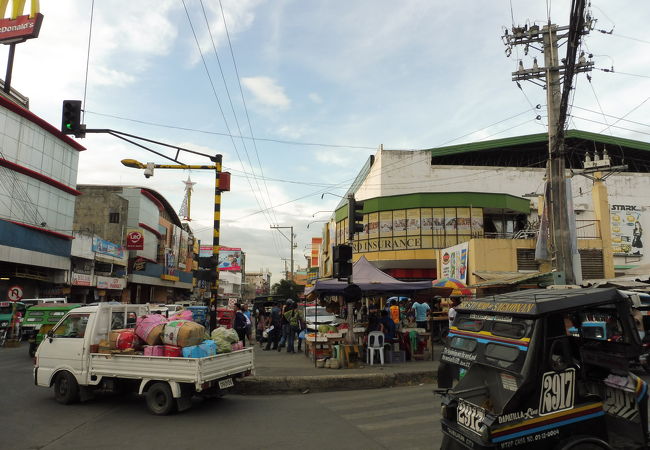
x=375 y=344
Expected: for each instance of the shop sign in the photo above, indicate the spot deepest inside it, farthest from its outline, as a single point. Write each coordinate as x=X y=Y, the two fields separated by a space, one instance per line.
x=107 y=248
x=81 y=279
x=111 y=283
x=139 y=265
x=135 y=240
x=15 y=29
x=453 y=262
x=230 y=258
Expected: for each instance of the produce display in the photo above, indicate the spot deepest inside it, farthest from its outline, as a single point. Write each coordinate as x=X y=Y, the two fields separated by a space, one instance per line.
x=178 y=336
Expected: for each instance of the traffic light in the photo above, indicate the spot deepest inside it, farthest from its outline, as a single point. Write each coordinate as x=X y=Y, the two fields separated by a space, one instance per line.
x=71 y=117
x=355 y=216
x=342 y=261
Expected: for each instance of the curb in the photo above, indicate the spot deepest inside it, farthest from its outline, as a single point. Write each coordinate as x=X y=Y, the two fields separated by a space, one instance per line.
x=261 y=385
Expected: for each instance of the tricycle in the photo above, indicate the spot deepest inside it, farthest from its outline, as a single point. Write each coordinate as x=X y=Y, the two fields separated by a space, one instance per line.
x=544 y=369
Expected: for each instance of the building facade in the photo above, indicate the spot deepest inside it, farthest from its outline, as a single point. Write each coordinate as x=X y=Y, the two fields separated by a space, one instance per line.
x=38 y=175
x=490 y=196
x=161 y=271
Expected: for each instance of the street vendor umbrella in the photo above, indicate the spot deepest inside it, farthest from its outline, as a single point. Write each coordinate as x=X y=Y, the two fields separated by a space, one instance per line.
x=458 y=286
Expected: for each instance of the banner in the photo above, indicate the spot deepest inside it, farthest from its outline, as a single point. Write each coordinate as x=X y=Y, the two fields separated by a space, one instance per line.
x=81 y=279
x=110 y=283
x=229 y=259
x=206 y=251
x=107 y=248
x=452 y=262
x=627 y=229
x=135 y=239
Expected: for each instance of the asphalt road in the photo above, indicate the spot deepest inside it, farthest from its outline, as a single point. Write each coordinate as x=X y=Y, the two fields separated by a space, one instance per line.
x=404 y=418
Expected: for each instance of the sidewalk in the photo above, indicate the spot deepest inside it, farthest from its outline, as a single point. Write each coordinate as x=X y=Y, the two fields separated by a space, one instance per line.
x=282 y=372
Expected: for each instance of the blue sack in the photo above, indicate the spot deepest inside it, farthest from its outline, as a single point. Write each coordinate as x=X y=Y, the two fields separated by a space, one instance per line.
x=204 y=349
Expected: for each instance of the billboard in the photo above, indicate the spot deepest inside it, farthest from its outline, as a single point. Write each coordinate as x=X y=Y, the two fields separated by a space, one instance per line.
x=229 y=259
x=206 y=251
x=107 y=248
x=18 y=28
x=627 y=231
x=453 y=262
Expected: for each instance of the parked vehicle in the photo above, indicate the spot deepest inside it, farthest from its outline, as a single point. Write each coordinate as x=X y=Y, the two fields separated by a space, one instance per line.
x=67 y=360
x=35 y=301
x=544 y=369
x=10 y=320
x=40 y=319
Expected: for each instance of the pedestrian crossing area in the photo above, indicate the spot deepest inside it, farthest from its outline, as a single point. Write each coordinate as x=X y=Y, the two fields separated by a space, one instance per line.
x=395 y=418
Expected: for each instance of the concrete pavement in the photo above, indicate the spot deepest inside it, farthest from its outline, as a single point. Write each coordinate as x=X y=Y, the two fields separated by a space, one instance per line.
x=281 y=372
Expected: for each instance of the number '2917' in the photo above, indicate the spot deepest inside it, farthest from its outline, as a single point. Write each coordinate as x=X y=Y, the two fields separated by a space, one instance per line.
x=557 y=391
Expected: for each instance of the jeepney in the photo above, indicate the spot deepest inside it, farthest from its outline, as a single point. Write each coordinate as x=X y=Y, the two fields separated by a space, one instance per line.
x=544 y=369
x=39 y=319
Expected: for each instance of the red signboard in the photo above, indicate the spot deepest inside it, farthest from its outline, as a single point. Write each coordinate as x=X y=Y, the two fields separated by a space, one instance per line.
x=20 y=29
x=135 y=240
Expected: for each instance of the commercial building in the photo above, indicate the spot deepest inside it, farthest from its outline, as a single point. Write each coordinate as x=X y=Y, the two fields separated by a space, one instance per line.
x=488 y=197
x=38 y=175
x=258 y=283
x=160 y=268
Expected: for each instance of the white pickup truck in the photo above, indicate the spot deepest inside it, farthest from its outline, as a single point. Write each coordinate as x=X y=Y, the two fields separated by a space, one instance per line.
x=67 y=360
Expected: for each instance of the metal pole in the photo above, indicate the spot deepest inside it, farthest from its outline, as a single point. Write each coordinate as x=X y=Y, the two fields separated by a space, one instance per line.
x=10 y=67
x=216 y=227
x=291 y=253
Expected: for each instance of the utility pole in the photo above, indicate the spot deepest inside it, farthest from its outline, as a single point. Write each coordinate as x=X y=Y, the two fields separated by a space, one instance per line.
x=290 y=239
x=556 y=76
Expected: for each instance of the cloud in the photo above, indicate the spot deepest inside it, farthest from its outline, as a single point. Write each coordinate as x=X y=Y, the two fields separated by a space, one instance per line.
x=267 y=92
x=314 y=97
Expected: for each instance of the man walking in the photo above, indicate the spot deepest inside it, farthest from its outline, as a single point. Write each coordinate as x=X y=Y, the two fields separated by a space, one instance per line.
x=275 y=321
x=293 y=318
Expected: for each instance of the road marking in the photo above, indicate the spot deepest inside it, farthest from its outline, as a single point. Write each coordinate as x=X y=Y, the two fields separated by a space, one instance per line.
x=392 y=423
x=390 y=411
x=378 y=401
x=374 y=393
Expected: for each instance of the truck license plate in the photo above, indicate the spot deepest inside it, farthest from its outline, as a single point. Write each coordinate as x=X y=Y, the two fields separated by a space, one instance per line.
x=470 y=416
x=223 y=384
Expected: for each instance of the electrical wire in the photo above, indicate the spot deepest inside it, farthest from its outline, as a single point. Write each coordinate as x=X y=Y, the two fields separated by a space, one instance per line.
x=621 y=73
x=90 y=33
x=619 y=119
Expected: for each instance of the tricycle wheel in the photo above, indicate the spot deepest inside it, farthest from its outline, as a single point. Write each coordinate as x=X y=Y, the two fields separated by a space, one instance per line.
x=160 y=400
x=584 y=443
x=32 y=349
x=66 y=388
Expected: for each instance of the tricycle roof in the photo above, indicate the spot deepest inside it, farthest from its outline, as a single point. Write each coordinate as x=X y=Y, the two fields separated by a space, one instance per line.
x=536 y=302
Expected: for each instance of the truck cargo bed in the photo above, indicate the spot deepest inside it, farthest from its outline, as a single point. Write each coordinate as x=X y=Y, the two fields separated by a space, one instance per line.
x=182 y=370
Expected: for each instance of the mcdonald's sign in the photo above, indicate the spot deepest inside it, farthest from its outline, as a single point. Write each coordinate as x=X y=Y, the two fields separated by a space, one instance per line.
x=18 y=28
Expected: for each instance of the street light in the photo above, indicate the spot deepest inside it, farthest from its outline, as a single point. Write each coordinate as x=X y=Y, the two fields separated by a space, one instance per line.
x=317 y=221
x=217 y=166
x=314 y=215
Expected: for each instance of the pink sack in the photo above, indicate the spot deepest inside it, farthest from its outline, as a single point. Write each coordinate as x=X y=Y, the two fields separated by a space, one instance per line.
x=185 y=314
x=154 y=350
x=149 y=328
x=237 y=346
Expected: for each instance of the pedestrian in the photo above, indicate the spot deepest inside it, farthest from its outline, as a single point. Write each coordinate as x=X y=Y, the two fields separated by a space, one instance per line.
x=294 y=318
x=249 y=323
x=275 y=327
x=284 y=331
x=261 y=324
x=388 y=327
x=421 y=311
x=240 y=323
x=451 y=314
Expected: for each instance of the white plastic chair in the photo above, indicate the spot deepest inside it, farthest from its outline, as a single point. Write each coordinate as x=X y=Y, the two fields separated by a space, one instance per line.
x=375 y=344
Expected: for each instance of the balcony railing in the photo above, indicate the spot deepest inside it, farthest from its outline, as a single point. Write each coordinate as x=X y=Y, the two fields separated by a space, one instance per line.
x=585 y=229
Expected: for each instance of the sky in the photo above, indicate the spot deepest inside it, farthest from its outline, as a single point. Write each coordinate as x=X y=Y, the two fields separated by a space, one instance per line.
x=297 y=95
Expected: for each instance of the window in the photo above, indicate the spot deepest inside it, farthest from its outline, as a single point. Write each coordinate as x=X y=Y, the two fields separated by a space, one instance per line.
x=459 y=343
x=74 y=326
x=502 y=352
x=470 y=325
x=512 y=330
x=114 y=217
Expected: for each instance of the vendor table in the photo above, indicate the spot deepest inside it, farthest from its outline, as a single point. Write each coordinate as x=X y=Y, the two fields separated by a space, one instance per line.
x=323 y=342
x=422 y=333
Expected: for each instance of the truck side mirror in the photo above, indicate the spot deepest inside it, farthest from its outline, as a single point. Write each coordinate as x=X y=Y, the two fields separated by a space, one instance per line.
x=50 y=335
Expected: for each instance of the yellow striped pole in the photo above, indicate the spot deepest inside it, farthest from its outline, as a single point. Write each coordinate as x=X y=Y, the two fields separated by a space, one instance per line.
x=217 y=219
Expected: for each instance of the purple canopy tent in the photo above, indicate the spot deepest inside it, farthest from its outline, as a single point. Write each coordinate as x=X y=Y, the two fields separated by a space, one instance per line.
x=371 y=279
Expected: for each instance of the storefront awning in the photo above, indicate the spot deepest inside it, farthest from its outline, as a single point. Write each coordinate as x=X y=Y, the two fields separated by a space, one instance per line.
x=505 y=278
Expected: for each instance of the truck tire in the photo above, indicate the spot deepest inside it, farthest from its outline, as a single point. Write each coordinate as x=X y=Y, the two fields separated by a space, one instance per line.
x=66 y=388
x=160 y=400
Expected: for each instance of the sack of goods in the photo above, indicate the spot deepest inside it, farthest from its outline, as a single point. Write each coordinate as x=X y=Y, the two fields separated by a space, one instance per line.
x=227 y=334
x=154 y=350
x=239 y=345
x=149 y=328
x=122 y=339
x=172 y=351
x=223 y=346
x=182 y=315
x=183 y=333
x=204 y=349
